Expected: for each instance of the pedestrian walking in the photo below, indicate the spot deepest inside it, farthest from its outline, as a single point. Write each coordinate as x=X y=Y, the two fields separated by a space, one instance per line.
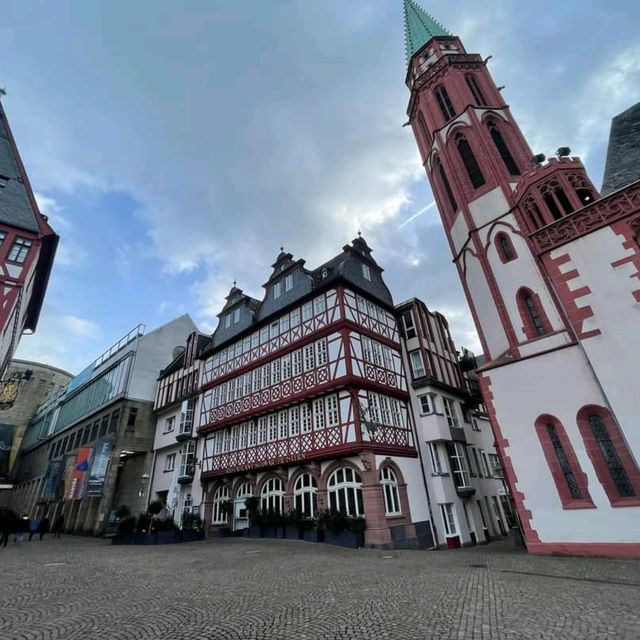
x=33 y=528
x=8 y=520
x=43 y=526
x=23 y=527
x=58 y=526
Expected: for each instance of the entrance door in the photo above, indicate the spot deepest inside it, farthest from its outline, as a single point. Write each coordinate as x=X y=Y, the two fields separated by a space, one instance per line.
x=240 y=516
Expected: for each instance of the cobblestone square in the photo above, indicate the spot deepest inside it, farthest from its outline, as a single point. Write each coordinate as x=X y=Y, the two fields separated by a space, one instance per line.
x=257 y=589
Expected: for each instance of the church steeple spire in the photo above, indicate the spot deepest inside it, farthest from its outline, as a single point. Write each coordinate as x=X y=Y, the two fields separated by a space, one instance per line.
x=419 y=28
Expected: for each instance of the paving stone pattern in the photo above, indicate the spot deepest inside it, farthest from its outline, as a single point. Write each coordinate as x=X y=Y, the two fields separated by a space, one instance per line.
x=266 y=589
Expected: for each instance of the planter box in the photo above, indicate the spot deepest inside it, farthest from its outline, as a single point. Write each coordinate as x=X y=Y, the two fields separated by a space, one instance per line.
x=269 y=531
x=313 y=535
x=223 y=532
x=255 y=531
x=159 y=537
x=293 y=532
x=344 y=538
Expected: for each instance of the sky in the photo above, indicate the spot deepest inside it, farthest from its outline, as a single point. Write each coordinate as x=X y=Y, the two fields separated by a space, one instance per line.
x=175 y=146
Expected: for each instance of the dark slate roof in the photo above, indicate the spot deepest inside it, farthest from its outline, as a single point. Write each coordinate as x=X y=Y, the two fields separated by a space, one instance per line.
x=623 y=154
x=346 y=266
x=15 y=207
x=178 y=362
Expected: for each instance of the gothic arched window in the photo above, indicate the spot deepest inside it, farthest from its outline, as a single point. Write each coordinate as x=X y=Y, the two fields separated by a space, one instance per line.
x=570 y=480
x=424 y=130
x=444 y=102
x=533 y=316
x=442 y=176
x=502 y=149
x=472 y=83
x=469 y=160
x=506 y=250
x=610 y=455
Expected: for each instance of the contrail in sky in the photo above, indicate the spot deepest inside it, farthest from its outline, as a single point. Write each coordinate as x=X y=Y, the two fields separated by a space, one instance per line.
x=415 y=215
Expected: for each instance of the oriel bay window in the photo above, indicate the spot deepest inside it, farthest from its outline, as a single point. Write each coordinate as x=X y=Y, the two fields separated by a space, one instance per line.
x=345 y=491
x=305 y=498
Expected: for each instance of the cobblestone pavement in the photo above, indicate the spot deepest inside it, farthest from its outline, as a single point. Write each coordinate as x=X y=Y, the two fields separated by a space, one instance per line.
x=267 y=589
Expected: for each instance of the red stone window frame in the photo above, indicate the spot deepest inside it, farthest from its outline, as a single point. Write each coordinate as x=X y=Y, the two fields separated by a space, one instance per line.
x=527 y=310
x=506 y=251
x=551 y=455
x=599 y=461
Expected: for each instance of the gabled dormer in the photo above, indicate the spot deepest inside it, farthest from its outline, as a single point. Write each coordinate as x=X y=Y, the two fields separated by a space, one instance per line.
x=289 y=281
x=237 y=314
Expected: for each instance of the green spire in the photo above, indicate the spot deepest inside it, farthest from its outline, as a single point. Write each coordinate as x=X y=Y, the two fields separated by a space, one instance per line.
x=419 y=28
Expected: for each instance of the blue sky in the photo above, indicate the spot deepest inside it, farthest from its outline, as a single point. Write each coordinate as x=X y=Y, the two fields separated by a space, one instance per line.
x=175 y=146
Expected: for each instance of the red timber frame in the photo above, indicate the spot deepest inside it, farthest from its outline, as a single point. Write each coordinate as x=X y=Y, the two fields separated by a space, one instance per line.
x=345 y=373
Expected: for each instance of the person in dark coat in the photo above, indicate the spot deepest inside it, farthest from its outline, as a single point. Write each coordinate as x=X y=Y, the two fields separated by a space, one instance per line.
x=24 y=526
x=58 y=526
x=8 y=523
x=33 y=528
x=43 y=526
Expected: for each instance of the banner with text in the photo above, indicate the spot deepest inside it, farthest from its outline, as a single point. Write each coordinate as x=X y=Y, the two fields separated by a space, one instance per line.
x=52 y=477
x=80 y=474
x=98 y=475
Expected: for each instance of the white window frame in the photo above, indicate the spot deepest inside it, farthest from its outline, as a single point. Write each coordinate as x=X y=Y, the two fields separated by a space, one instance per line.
x=450 y=412
x=221 y=495
x=463 y=472
x=321 y=352
x=272 y=495
x=288 y=282
x=408 y=329
x=448 y=519
x=436 y=463
x=345 y=491
x=169 y=424
x=170 y=462
x=417 y=367
x=333 y=410
x=305 y=493
x=319 y=418
x=306 y=418
x=366 y=272
x=277 y=289
x=390 y=492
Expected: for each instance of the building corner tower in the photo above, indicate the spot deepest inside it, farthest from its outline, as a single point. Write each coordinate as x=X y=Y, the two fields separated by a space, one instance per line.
x=550 y=271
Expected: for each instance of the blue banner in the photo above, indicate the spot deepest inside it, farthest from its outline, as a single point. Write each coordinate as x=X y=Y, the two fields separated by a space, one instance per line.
x=51 y=484
x=98 y=474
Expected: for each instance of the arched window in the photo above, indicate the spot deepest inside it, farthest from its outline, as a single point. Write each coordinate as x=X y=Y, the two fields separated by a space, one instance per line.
x=585 y=195
x=568 y=477
x=534 y=214
x=345 y=491
x=502 y=149
x=469 y=160
x=390 y=492
x=305 y=495
x=478 y=96
x=221 y=495
x=533 y=317
x=425 y=131
x=442 y=176
x=505 y=247
x=272 y=495
x=610 y=456
x=244 y=490
x=444 y=102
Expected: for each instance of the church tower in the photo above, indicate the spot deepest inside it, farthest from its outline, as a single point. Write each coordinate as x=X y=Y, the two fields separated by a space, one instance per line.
x=550 y=271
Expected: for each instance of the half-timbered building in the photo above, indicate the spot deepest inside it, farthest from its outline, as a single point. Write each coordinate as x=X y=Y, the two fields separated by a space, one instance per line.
x=173 y=480
x=468 y=497
x=305 y=403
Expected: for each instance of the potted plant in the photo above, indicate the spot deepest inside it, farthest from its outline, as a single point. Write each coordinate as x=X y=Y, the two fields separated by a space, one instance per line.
x=226 y=509
x=252 y=505
x=313 y=528
x=344 y=530
x=273 y=524
x=293 y=524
